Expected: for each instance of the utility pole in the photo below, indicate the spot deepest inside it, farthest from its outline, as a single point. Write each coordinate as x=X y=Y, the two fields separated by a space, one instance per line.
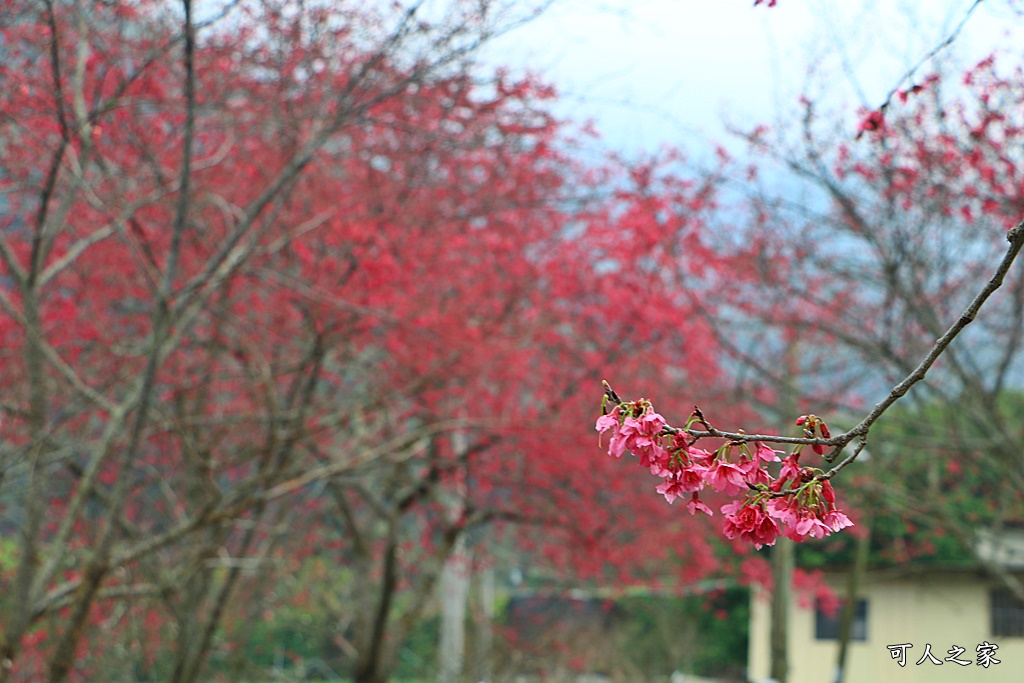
x=782 y=578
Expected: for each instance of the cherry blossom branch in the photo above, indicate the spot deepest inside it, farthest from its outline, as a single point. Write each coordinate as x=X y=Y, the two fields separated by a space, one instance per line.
x=859 y=432
x=736 y=437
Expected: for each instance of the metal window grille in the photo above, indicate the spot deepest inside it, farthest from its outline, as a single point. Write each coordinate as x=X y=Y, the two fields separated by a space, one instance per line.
x=1007 y=614
x=826 y=626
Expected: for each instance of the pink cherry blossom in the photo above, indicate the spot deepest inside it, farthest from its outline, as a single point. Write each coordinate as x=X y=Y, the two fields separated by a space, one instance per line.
x=671 y=488
x=693 y=477
x=697 y=505
x=699 y=456
x=609 y=421
x=651 y=455
x=747 y=520
x=797 y=504
x=758 y=476
x=631 y=428
x=810 y=525
x=617 y=444
x=765 y=453
x=726 y=478
x=836 y=520
x=790 y=467
x=651 y=424
x=784 y=509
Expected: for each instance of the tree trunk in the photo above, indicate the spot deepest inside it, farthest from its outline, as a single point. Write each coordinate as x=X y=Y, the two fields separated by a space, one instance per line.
x=860 y=563
x=455 y=579
x=483 y=642
x=371 y=666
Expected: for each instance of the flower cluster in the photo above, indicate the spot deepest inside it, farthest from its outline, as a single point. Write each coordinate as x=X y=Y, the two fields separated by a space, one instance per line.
x=798 y=503
x=873 y=121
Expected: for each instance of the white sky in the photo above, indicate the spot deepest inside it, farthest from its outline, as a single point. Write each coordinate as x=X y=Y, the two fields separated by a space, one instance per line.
x=653 y=72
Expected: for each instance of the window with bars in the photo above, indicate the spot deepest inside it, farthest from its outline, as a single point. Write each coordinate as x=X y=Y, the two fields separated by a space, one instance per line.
x=826 y=625
x=1007 y=614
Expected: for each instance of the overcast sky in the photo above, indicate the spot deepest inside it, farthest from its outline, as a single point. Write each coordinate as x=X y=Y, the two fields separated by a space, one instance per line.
x=652 y=72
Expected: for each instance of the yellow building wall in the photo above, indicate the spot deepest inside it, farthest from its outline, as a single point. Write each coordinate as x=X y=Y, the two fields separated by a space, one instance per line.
x=942 y=609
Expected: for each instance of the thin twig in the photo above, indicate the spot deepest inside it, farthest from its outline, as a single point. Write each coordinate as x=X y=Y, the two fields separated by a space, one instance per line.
x=928 y=57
